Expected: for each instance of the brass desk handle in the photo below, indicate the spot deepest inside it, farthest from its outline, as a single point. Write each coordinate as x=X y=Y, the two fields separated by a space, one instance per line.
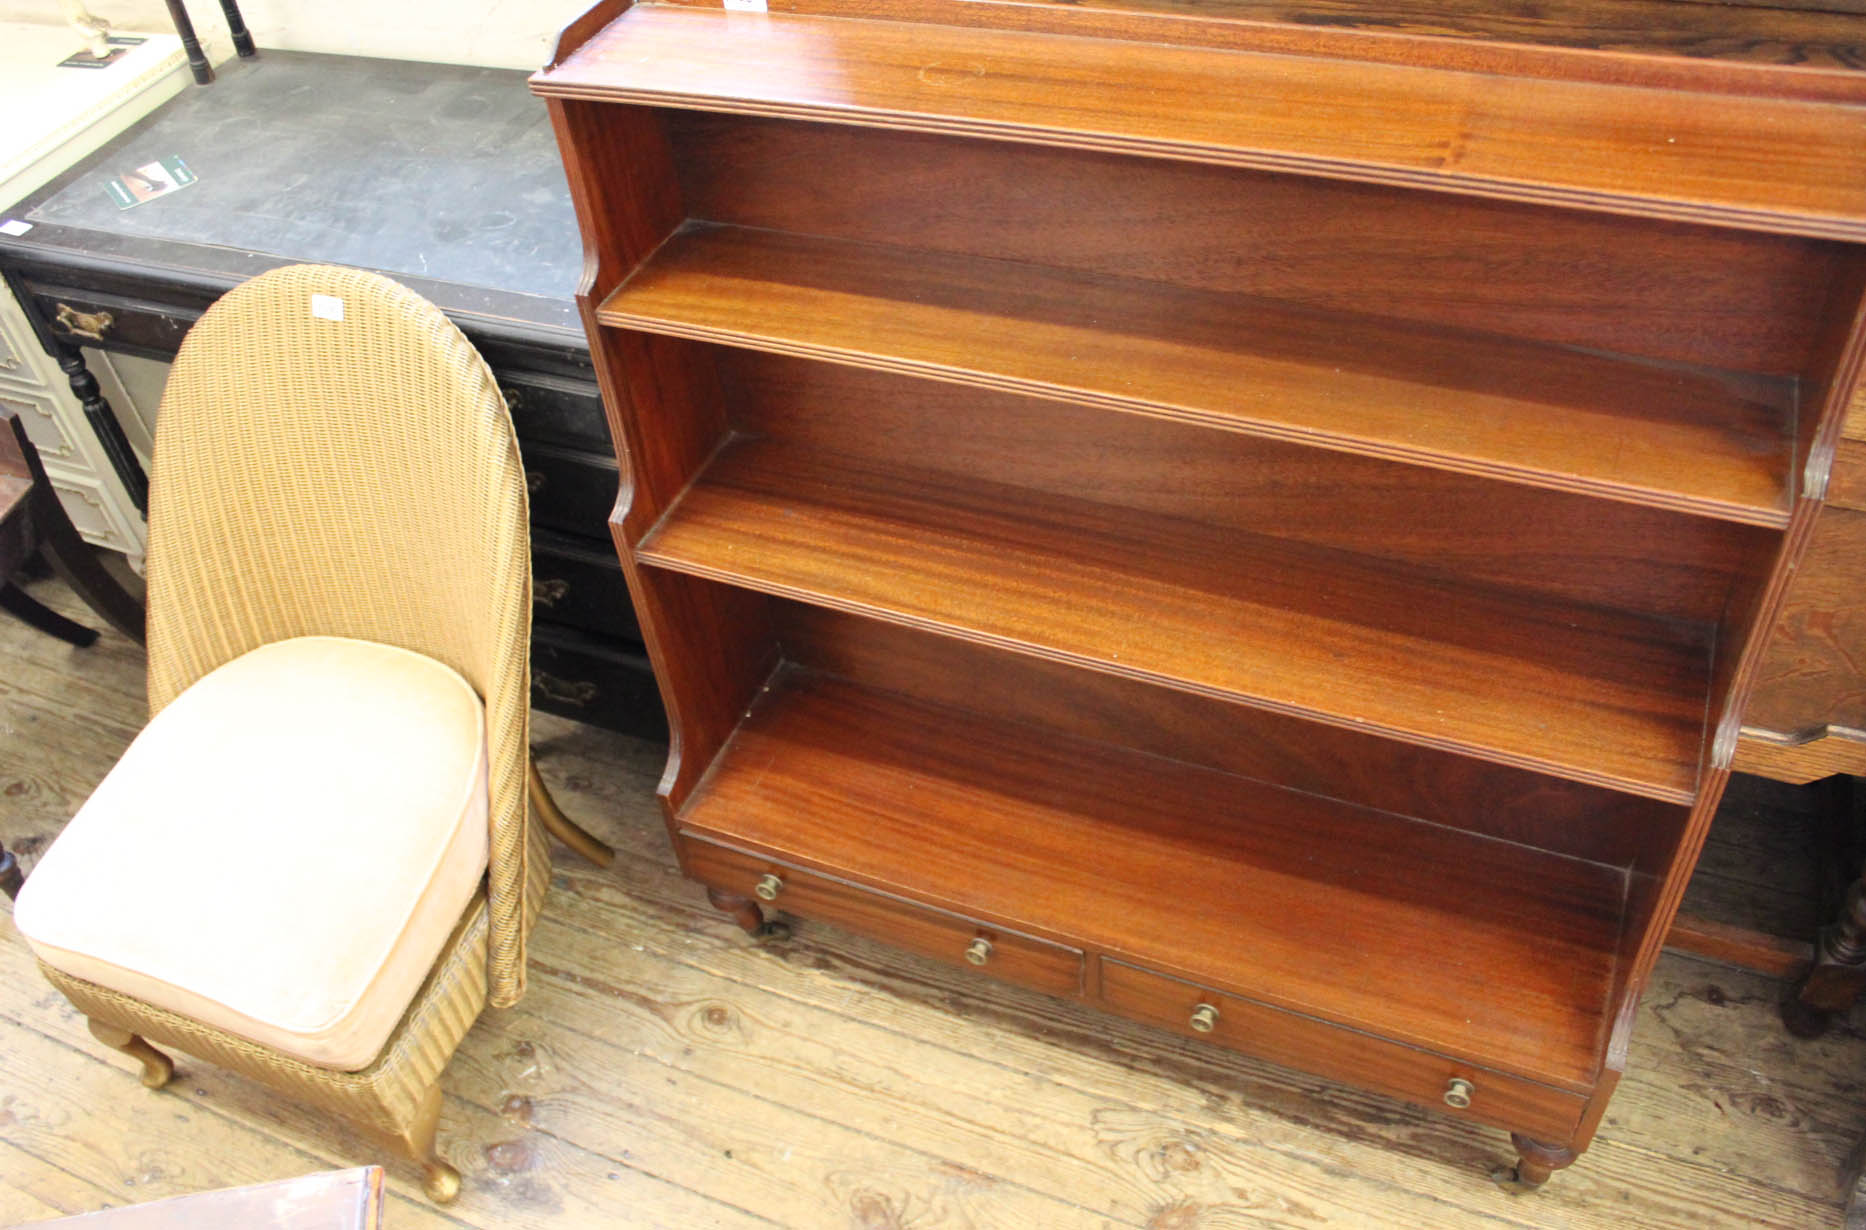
x=1458 y=1093
x=577 y=692
x=978 y=951
x=84 y=324
x=769 y=888
x=1204 y=1018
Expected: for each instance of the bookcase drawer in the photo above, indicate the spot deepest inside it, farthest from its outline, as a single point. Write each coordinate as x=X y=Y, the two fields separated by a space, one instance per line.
x=950 y=937
x=1313 y=1045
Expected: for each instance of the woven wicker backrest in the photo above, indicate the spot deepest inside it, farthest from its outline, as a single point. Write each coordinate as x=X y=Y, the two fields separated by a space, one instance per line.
x=349 y=477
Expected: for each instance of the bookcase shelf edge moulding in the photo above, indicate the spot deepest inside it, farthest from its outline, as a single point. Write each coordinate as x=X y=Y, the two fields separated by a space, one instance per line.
x=1271 y=545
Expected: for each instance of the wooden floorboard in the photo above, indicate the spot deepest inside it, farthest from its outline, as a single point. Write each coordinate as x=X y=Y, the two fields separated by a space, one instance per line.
x=665 y=1071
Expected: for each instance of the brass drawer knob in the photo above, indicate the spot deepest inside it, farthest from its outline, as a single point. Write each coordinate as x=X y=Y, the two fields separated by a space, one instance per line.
x=769 y=888
x=978 y=951
x=1458 y=1093
x=1205 y=1018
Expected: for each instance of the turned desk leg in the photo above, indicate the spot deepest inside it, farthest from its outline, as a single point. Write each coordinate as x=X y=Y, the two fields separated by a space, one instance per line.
x=745 y=912
x=1838 y=976
x=104 y=423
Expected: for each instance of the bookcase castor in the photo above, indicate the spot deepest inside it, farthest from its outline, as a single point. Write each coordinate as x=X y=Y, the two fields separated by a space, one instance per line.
x=1273 y=545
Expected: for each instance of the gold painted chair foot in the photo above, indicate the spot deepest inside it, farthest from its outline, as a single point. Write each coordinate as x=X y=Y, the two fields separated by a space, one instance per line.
x=561 y=826
x=438 y=1179
x=158 y=1069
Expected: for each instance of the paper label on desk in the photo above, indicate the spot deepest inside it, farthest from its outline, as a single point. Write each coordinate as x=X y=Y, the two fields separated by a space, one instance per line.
x=745 y=6
x=327 y=307
x=13 y=226
x=149 y=181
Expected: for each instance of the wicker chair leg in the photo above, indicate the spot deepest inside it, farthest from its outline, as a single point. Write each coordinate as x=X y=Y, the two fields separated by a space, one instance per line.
x=560 y=826
x=157 y=1067
x=438 y=1179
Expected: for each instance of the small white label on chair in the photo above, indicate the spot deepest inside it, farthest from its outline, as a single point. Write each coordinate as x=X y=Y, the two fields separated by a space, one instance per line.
x=327 y=307
x=745 y=6
x=13 y=226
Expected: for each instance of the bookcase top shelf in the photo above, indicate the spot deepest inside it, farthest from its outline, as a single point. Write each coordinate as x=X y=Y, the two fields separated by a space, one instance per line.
x=1774 y=164
x=1664 y=435
x=1584 y=693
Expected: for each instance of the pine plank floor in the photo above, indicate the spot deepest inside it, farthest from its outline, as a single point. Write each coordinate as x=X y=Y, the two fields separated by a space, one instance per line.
x=664 y=1071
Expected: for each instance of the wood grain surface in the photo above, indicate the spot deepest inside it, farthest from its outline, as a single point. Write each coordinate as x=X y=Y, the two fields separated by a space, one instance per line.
x=1815 y=673
x=1784 y=48
x=1734 y=300
x=1753 y=162
x=1658 y=434
x=1527 y=539
x=1585 y=693
x=1221 y=880
x=1586 y=822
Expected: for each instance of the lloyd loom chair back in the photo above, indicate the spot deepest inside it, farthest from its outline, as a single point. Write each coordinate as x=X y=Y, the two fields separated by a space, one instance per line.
x=333 y=458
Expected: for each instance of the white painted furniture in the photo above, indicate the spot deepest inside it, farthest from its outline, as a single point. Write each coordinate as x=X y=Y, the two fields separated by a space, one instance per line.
x=53 y=117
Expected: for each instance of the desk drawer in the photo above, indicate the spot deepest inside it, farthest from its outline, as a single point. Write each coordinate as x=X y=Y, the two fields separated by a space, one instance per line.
x=1346 y=1055
x=139 y=326
x=571 y=490
x=579 y=583
x=934 y=933
x=554 y=410
x=601 y=682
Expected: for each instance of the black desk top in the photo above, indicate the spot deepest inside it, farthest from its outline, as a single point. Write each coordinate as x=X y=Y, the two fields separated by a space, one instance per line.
x=443 y=176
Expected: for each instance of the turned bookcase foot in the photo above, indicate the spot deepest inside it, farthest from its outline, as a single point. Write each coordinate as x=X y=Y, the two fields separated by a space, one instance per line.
x=745 y=912
x=1536 y=1161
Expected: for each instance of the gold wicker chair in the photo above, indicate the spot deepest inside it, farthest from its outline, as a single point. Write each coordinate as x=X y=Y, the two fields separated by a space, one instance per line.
x=333 y=459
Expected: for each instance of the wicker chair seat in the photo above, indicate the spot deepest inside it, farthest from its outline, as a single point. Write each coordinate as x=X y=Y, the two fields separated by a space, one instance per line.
x=327 y=799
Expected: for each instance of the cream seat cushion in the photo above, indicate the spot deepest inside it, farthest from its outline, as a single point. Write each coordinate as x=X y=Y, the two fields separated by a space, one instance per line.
x=282 y=852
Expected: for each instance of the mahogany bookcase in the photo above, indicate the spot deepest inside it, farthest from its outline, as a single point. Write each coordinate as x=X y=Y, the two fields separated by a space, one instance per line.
x=1271 y=544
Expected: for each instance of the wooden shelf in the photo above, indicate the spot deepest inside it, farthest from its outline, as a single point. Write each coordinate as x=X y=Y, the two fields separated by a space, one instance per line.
x=1764 y=163
x=1664 y=435
x=1292 y=899
x=1583 y=693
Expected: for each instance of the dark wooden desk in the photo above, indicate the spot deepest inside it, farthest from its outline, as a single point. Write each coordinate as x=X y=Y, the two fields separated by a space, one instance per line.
x=443 y=177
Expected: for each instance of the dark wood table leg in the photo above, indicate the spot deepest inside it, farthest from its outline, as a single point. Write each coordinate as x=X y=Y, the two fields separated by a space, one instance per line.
x=10 y=878
x=197 y=59
x=34 y=613
x=71 y=558
x=1838 y=976
x=236 y=26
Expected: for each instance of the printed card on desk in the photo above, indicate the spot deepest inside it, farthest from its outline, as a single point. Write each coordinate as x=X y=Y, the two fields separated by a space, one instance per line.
x=149 y=181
